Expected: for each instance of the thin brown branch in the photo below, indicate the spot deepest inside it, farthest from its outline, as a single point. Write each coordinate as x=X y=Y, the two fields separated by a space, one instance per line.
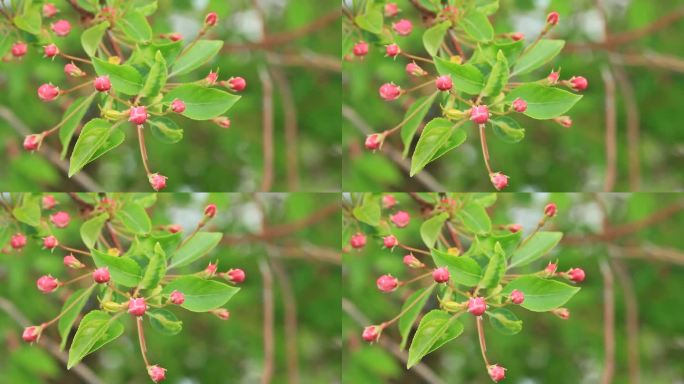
x=290 y=304
x=269 y=321
x=309 y=252
x=608 y=322
x=650 y=60
x=631 y=319
x=267 y=124
x=611 y=130
x=307 y=60
x=290 y=126
x=633 y=128
x=651 y=253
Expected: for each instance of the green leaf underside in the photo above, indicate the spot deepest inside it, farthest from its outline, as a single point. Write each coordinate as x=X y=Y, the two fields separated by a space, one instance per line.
x=75 y=303
x=475 y=218
x=91 y=329
x=507 y=129
x=91 y=37
x=135 y=218
x=504 y=321
x=156 y=268
x=90 y=230
x=413 y=117
x=71 y=118
x=369 y=211
x=435 y=329
x=431 y=228
x=477 y=25
x=135 y=25
x=498 y=77
x=435 y=134
x=165 y=322
x=165 y=129
x=93 y=136
x=433 y=37
x=156 y=78
x=496 y=268
x=370 y=21
x=541 y=295
x=407 y=319
x=458 y=137
x=201 y=295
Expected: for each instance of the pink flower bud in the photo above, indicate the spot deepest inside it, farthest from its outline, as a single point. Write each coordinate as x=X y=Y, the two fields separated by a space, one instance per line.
x=552 y=18
x=174 y=228
x=390 y=241
x=401 y=219
x=550 y=209
x=388 y=201
x=514 y=228
x=49 y=10
x=562 y=313
x=47 y=284
x=156 y=373
x=374 y=141
x=496 y=372
x=138 y=115
x=235 y=276
x=60 y=219
x=579 y=83
x=211 y=78
x=565 y=121
x=576 y=274
x=387 y=283
x=499 y=180
x=178 y=106
x=18 y=241
x=517 y=297
x=19 y=49
x=210 y=210
x=49 y=202
x=550 y=269
x=391 y=9
x=72 y=262
x=101 y=275
x=553 y=77
x=157 y=181
x=403 y=27
x=31 y=334
x=222 y=313
x=360 y=49
x=102 y=83
x=479 y=114
x=222 y=122
x=50 y=242
x=517 y=36
x=414 y=69
x=412 y=262
x=237 y=84
x=48 y=92
x=392 y=50
x=211 y=19
x=371 y=334
x=175 y=36
x=477 y=306
x=443 y=83
x=519 y=105
x=440 y=275
x=51 y=50
x=32 y=142
x=72 y=70
x=61 y=28
x=177 y=298
x=389 y=91
x=210 y=270
x=137 y=307
x=358 y=240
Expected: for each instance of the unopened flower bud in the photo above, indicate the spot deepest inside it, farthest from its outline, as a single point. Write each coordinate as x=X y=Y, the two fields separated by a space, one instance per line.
x=60 y=219
x=237 y=84
x=222 y=121
x=19 y=49
x=387 y=283
x=443 y=83
x=174 y=228
x=101 y=275
x=579 y=83
x=211 y=78
x=391 y=9
x=358 y=240
x=392 y=50
x=517 y=36
x=48 y=202
x=562 y=313
x=49 y=10
x=412 y=262
x=177 y=298
x=137 y=307
x=157 y=181
x=156 y=373
x=401 y=219
x=552 y=18
x=72 y=262
x=32 y=142
x=496 y=372
x=576 y=275
x=403 y=27
x=48 y=92
x=390 y=91
x=47 y=284
x=50 y=242
x=519 y=105
x=371 y=333
x=50 y=50
x=414 y=69
x=479 y=114
x=102 y=83
x=477 y=306
x=72 y=70
x=517 y=297
x=235 y=276
x=138 y=115
x=514 y=228
x=390 y=241
x=388 y=201
x=499 y=180
x=360 y=49
x=18 y=241
x=440 y=275
x=32 y=333
x=61 y=28
x=374 y=141
x=221 y=313
x=550 y=210
x=550 y=269
x=210 y=270
x=565 y=121
x=211 y=19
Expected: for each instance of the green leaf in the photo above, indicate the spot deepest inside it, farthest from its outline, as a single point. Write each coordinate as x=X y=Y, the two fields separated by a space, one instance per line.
x=115 y=139
x=504 y=321
x=201 y=295
x=488 y=7
x=412 y=119
x=90 y=230
x=496 y=268
x=156 y=78
x=475 y=218
x=198 y=246
x=135 y=25
x=463 y=270
x=165 y=129
x=124 y=270
x=535 y=247
x=369 y=210
x=467 y=78
x=71 y=118
x=477 y=25
x=457 y=138
x=146 y=7
x=93 y=327
x=435 y=329
x=540 y=54
x=200 y=53
x=89 y=5
x=498 y=78
x=201 y=103
x=30 y=20
x=543 y=102
x=435 y=134
x=164 y=322
x=75 y=304
x=507 y=129
x=28 y=210
x=135 y=218
x=420 y=297
x=115 y=330
x=541 y=295
x=370 y=21
x=5 y=44
x=433 y=37
x=124 y=78
x=91 y=37
x=156 y=268
x=431 y=228
x=93 y=135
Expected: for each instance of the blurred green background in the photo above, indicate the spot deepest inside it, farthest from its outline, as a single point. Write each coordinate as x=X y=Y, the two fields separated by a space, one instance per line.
x=303 y=263
x=646 y=67
x=303 y=69
x=643 y=249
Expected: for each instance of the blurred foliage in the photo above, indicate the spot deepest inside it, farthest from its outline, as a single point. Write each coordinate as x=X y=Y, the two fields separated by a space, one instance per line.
x=550 y=158
x=208 y=350
x=209 y=158
x=548 y=350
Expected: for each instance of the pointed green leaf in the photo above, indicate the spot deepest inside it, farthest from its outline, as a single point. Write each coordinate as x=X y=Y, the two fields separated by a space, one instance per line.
x=462 y=269
x=369 y=210
x=435 y=134
x=201 y=103
x=70 y=310
x=504 y=321
x=496 y=268
x=541 y=295
x=431 y=228
x=507 y=129
x=535 y=247
x=156 y=78
x=71 y=118
x=156 y=268
x=91 y=37
x=467 y=78
x=28 y=210
x=165 y=129
x=412 y=119
x=435 y=329
x=475 y=218
x=123 y=270
x=540 y=54
x=201 y=295
x=30 y=20
x=124 y=78
x=458 y=137
x=90 y=230
x=164 y=322
x=543 y=102
x=93 y=136
x=200 y=53
x=498 y=77
x=370 y=21
x=477 y=25
x=135 y=218
x=418 y=299
x=433 y=37
x=93 y=327
x=198 y=246
x=135 y=25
